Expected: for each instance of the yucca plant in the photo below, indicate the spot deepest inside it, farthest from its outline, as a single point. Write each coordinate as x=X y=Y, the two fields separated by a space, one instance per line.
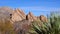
x=52 y=27
x=55 y=24
x=39 y=27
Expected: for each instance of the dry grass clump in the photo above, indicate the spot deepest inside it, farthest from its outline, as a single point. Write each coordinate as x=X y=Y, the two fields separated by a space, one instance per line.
x=6 y=26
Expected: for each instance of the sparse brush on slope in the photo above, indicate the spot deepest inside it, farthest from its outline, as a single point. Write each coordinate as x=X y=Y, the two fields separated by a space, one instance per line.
x=6 y=27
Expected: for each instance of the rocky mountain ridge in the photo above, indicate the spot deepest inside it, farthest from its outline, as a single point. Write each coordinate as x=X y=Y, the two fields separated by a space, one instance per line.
x=20 y=21
x=18 y=14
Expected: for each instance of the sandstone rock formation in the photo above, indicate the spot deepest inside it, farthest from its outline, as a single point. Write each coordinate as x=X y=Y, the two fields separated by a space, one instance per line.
x=43 y=18
x=31 y=17
x=5 y=12
x=14 y=15
x=18 y=15
x=21 y=22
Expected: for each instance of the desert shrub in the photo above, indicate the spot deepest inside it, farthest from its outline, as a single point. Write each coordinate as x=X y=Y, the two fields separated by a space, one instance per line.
x=55 y=23
x=52 y=27
x=39 y=27
x=6 y=26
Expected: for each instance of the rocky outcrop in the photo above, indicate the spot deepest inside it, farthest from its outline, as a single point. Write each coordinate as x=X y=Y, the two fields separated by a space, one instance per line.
x=13 y=14
x=43 y=18
x=31 y=17
x=18 y=15
x=5 y=12
x=21 y=22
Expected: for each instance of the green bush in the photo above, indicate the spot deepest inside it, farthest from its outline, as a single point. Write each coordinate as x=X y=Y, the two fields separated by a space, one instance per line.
x=52 y=27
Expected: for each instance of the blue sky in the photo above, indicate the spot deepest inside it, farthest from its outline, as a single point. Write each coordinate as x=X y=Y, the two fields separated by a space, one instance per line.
x=37 y=7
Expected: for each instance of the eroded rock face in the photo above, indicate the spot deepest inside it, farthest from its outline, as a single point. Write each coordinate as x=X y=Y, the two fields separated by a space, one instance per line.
x=14 y=15
x=43 y=18
x=31 y=17
x=18 y=15
x=5 y=12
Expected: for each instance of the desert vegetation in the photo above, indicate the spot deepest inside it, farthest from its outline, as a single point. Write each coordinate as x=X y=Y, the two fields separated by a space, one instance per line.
x=36 y=27
x=6 y=26
x=52 y=27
